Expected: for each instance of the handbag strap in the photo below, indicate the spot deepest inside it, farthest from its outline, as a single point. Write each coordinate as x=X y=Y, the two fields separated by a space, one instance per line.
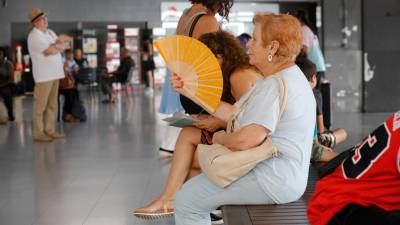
x=282 y=98
x=243 y=104
x=282 y=102
x=282 y=95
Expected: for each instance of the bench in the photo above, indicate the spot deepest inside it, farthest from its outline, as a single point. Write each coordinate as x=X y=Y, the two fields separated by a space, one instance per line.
x=291 y=213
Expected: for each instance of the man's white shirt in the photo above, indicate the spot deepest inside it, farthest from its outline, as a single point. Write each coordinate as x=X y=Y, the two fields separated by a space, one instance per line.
x=44 y=68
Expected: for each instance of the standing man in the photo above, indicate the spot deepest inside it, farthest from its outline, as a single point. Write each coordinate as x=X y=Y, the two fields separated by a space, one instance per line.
x=45 y=50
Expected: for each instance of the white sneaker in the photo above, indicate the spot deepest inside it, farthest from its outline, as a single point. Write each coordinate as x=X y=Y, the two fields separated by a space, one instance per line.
x=215 y=219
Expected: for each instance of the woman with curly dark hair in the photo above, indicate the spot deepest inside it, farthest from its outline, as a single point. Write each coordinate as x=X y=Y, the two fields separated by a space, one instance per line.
x=195 y=21
x=239 y=76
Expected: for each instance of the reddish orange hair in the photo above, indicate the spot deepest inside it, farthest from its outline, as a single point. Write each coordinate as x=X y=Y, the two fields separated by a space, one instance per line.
x=285 y=29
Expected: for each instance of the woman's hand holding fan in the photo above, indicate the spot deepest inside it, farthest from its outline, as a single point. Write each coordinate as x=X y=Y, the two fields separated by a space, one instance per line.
x=196 y=71
x=177 y=83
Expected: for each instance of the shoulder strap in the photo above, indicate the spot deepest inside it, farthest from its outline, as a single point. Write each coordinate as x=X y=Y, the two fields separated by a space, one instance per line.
x=282 y=97
x=196 y=19
x=244 y=102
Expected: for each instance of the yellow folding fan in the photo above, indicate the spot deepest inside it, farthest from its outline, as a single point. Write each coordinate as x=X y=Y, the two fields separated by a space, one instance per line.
x=196 y=65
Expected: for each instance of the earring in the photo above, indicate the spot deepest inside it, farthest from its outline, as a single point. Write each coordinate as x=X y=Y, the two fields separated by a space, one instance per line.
x=269 y=58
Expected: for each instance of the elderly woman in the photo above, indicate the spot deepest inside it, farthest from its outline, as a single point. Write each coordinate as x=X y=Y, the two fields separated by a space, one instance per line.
x=276 y=42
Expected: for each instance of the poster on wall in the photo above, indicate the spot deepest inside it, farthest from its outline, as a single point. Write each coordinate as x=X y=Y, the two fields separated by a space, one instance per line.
x=92 y=60
x=90 y=45
x=112 y=50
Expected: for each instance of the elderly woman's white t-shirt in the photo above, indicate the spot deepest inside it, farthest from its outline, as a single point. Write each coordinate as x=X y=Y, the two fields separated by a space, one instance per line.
x=284 y=178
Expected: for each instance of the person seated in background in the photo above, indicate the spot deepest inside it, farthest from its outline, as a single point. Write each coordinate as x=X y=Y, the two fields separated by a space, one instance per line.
x=126 y=67
x=6 y=80
x=239 y=76
x=325 y=137
x=107 y=80
x=68 y=88
x=82 y=62
x=70 y=66
x=244 y=38
x=320 y=153
x=362 y=184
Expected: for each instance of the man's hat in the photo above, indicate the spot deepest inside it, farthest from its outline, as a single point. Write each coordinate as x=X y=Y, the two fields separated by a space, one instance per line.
x=35 y=14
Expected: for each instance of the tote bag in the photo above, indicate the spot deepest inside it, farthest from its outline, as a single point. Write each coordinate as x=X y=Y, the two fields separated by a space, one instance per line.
x=224 y=166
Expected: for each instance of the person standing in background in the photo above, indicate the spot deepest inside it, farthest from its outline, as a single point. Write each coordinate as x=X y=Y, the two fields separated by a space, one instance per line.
x=6 y=79
x=126 y=66
x=148 y=65
x=312 y=50
x=311 y=46
x=45 y=49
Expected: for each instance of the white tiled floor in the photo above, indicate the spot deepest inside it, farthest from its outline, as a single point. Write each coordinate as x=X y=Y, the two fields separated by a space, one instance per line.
x=105 y=167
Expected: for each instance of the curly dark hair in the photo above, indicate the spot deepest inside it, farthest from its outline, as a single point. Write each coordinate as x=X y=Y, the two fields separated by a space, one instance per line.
x=234 y=57
x=224 y=6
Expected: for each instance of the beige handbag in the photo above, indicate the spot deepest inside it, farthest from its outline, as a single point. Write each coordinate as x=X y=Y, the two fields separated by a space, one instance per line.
x=223 y=166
